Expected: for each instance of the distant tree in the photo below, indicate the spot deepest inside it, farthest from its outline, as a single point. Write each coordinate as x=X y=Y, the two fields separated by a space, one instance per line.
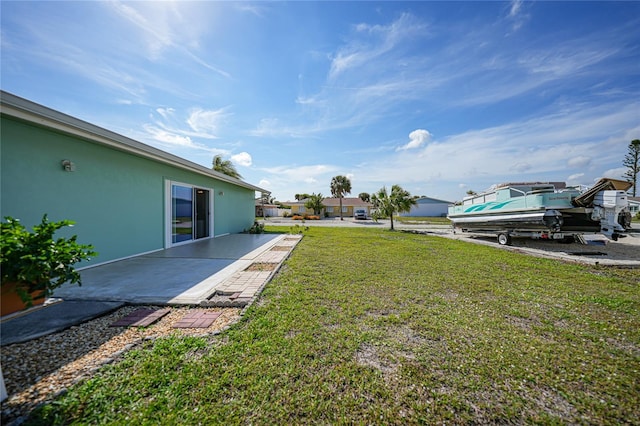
x=300 y=197
x=365 y=196
x=471 y=192
x=267 y=198
x=632 y=163
x=314 y=202
x=225 y=167
x=387 y=204
x=340 y=186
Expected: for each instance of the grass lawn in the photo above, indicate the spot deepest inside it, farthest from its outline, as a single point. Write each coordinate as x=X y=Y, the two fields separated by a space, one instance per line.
x=423 y=220
x=368 y=326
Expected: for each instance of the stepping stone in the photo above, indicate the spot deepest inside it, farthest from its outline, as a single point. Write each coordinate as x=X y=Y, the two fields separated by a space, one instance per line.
x=197 y=319
x=141 y=318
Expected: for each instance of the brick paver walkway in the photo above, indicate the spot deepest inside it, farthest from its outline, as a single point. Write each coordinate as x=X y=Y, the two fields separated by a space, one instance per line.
x=141 y=318
x=243 y=286
x=197 y=319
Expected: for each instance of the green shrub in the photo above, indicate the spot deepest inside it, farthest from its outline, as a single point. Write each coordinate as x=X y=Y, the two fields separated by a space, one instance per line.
x=36 y=261
x=257 y=228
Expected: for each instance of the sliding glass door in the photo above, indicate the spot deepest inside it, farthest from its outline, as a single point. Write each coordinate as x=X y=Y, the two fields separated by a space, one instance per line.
x=202 y=213
x=190 y=213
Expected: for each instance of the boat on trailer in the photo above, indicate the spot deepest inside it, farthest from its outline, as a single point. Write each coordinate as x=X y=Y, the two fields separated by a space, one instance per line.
x=547 y=210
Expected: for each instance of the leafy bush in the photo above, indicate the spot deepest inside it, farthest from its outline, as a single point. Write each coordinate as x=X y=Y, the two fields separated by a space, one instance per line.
x=297 y=229
x=37 y=262
x=305 y=216
x=257 y=228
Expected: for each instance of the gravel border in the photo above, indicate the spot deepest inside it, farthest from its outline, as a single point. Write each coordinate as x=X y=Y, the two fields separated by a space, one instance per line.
x=623 y=253
x=41 y=369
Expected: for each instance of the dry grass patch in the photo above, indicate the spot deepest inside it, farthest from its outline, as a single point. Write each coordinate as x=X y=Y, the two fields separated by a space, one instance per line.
x=261 y=267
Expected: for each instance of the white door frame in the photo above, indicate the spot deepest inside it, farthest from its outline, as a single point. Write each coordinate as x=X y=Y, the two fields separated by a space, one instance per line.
x=168 y=215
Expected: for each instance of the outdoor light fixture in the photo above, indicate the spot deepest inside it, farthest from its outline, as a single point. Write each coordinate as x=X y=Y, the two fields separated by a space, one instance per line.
x=68 y=166
x=221 y=193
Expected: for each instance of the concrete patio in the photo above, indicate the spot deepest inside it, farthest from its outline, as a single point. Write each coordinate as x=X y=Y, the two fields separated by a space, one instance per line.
x=191 y=274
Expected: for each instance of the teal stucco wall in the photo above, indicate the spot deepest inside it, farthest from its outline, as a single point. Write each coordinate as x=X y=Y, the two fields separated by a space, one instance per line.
x=117 y=199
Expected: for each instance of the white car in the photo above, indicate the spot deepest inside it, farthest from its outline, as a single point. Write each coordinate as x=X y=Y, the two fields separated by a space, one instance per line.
x=360 y=214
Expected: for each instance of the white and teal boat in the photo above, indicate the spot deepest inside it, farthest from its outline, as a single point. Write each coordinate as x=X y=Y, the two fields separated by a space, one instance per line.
x=545 y=210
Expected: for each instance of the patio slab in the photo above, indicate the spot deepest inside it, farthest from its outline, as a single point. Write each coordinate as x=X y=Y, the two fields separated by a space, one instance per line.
x=183 y=275
x=171 y=277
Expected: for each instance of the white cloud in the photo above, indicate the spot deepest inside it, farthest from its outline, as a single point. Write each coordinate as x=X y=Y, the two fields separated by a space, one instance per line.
x=255 y=10
x=517 y=15
x=520 y=167
x=206 y=121
x=614 y=173
x=581 y=161
x=264 y=183
x=271 y=127
x=165 y=112
x=293 y=172
x=243 y=159
x=574 y=178
x=164 y=26
x=168 y=128
x=163 y=136
x=417 y=139
x=373 y=42
x=538 y=148
x=516 y=5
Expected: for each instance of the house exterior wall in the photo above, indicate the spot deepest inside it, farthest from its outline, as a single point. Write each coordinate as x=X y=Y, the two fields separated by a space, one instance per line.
x=428 y=207
x=117 y=199
x=332 y=207
x=335 y=211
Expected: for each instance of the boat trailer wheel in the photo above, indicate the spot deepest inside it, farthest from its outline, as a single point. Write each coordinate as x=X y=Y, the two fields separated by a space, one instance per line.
x=504 y=239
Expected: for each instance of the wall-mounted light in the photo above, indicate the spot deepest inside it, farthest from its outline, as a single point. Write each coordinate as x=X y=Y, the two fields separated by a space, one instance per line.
x=68 y=166
x=221 y=193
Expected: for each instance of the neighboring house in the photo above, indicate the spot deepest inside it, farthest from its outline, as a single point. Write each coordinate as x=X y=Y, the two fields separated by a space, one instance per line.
x=332 y=207
x=266 y=210
x=428 y=207
x=127 y=198
x=634 y=205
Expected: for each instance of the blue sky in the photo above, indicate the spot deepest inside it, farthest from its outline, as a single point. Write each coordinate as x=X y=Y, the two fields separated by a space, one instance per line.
x=439 y=97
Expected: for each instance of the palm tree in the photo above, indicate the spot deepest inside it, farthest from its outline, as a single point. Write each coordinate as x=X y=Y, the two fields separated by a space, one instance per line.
x=398 y=201
x=225 y=167
x=267 y=198
x=314 y=202
x=381 y=203
x=340 y=186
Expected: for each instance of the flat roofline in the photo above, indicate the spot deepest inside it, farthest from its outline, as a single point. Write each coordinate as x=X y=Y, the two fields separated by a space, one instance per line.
x=31 y=112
